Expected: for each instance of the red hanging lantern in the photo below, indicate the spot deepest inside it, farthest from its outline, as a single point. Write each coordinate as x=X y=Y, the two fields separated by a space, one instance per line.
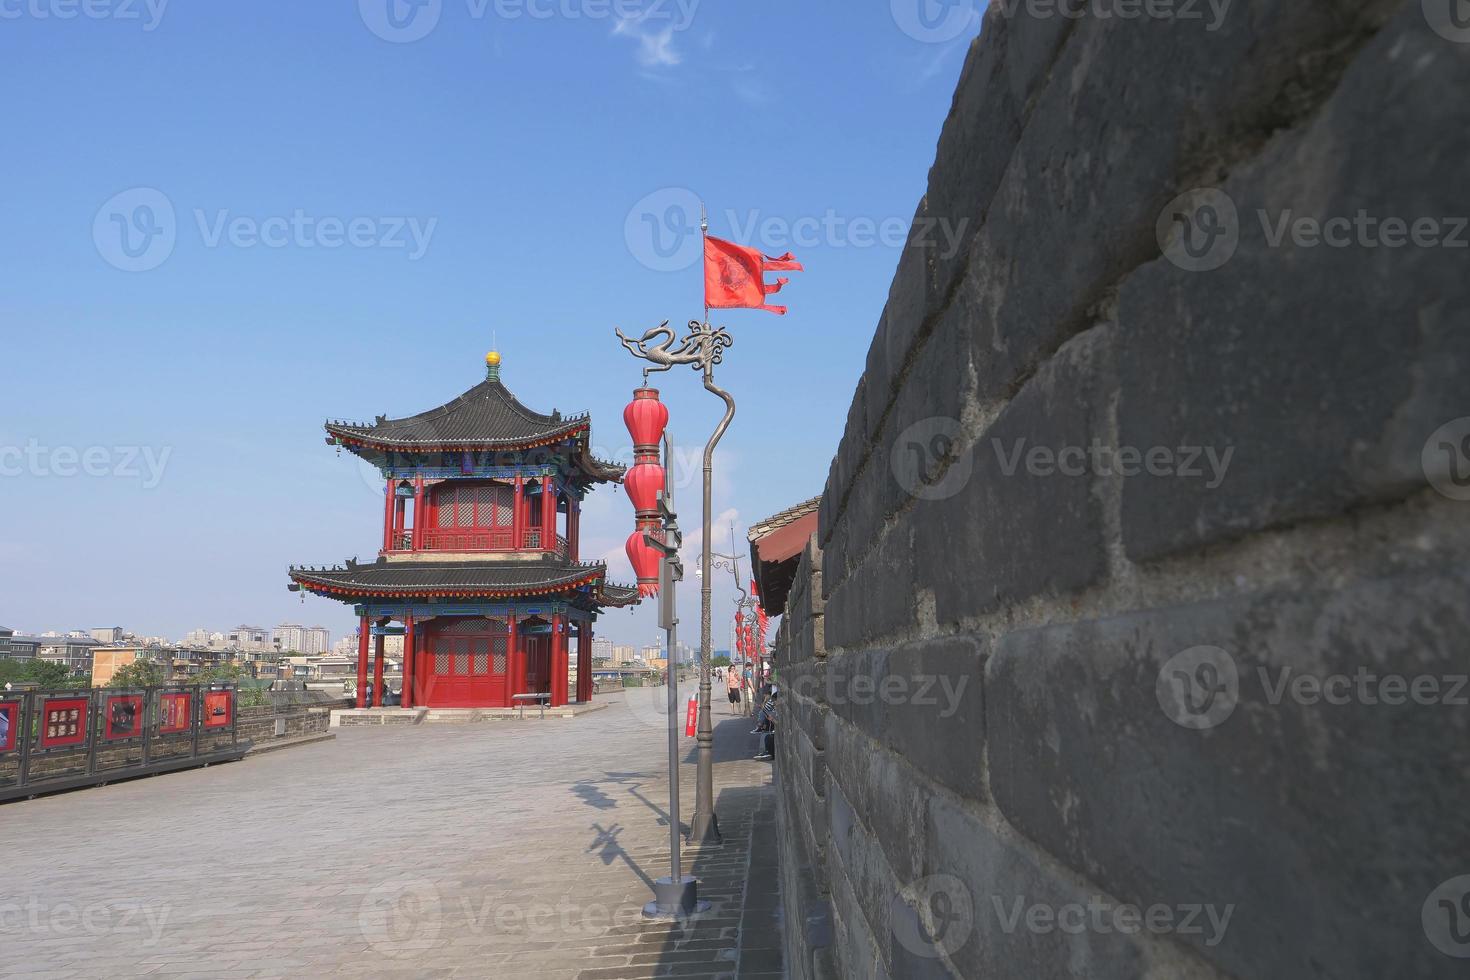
x=646 y=418
x=643 y=482
x=644 y=558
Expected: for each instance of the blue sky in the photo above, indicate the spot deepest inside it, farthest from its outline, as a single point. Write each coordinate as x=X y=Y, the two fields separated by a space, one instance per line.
x=226 y=221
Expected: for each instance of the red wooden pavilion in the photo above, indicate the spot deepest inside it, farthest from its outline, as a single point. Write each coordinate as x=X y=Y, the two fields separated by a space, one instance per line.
x=479 y=563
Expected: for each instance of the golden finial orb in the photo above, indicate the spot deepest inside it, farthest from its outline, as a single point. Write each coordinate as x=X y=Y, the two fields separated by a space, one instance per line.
x=492 y=358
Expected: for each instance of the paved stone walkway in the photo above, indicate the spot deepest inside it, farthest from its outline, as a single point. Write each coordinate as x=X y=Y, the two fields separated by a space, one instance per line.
x=502 y=849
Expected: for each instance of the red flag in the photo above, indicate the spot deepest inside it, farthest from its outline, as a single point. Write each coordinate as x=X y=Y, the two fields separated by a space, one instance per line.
x=735 y=276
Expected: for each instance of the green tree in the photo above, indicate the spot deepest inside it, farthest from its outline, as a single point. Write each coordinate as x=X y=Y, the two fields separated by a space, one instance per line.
x=139 y=673
x=48 y=675
x=721 y=661
x=218 y=674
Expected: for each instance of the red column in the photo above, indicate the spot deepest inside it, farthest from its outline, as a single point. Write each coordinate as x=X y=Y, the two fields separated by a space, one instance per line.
x=548 y=515
x=558 y=661
x=515 y=661
x=378 y=673
x=574 y=531
x=406 y=699
x=584 y=661
x=418 y=514
x=362 y=658
x=388 y=516
x=518 y=526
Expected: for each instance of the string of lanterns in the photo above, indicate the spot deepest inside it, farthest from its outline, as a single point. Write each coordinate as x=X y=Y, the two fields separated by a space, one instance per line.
x=646 y=418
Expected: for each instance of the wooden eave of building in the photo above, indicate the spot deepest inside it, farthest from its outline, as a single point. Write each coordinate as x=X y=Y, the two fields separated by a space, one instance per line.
x=776 y=544
x=463 y=580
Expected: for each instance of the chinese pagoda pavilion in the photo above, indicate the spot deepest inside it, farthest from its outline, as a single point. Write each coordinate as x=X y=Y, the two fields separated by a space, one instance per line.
x=479 y=560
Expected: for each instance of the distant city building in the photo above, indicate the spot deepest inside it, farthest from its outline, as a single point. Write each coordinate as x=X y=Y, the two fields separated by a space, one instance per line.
x=255 y=639
x=196 y=638
x=73 y=651
x=107 y=660
x=13 y=646
x=651 y=653
x=622 y=654
x=108 y=634
x=307 y=640
x=602 y=649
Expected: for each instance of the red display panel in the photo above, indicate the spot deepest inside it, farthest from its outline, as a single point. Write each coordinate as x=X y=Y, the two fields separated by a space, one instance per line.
x=218 y=707
x=9 y=725
x=173 y=713
x=124 y=716
x=63 y=722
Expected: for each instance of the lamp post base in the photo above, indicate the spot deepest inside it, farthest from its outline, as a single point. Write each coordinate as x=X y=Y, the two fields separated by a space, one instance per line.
x=704 y=831
x=675 y=899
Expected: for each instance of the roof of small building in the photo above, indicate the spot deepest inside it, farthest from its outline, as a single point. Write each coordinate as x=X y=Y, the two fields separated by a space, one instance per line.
x=776 y=544
x=487 y=579
x=486 y=415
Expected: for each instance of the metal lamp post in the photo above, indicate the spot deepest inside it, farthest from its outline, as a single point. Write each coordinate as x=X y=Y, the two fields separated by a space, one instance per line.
x=702 y=349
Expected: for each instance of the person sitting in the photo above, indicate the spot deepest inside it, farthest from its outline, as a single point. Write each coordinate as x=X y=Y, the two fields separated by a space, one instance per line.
x=768 y=739
x=767 y=712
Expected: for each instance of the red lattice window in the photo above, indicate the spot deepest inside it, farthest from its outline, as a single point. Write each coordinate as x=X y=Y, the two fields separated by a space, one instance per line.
x=471 y=505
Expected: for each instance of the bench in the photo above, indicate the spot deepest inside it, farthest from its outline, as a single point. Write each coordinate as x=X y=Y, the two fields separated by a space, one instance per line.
x=542 y=701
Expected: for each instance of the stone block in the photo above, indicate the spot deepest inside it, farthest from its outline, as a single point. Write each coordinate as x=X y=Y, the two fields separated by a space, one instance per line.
x=1325 y=825
x=1323 y=369
x=1001 y=526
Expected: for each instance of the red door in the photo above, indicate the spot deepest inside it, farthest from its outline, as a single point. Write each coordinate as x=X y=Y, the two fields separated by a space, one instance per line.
x=463 y=664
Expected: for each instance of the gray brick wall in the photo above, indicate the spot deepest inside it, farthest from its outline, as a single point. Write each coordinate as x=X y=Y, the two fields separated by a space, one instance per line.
x=1132 y=641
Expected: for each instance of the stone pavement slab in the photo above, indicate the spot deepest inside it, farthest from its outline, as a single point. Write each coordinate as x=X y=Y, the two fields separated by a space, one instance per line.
x=414 y=851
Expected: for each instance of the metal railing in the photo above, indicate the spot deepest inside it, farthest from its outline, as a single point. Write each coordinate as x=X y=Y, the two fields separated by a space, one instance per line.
x=476 y=539
x=57 y=740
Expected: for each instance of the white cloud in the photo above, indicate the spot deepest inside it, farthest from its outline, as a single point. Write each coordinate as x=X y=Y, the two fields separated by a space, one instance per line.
x=655 y=48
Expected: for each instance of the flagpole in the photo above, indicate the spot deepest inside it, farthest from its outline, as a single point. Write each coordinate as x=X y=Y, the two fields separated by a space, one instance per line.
x=705 y=825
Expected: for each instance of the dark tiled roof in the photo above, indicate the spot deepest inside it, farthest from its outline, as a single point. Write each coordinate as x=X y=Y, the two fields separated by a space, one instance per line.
x=775 y=522
x=487 y=415
x=462 y=579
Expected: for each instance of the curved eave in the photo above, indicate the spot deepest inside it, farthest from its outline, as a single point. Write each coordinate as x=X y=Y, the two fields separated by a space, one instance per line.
x=354 y=437
x=315 y=583
x=617 y=596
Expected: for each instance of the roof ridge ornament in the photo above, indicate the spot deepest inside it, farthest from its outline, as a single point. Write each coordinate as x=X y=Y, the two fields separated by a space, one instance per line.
x=492 y=366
